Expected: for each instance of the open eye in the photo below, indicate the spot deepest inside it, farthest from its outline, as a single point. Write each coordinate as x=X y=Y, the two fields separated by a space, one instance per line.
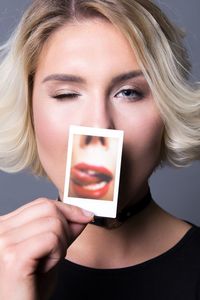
x=130 y=94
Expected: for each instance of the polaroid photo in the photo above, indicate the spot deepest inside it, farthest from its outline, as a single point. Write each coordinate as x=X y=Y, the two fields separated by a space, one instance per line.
x=93 y=169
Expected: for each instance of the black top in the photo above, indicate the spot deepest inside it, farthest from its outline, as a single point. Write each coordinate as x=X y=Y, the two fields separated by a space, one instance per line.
x=173 y=275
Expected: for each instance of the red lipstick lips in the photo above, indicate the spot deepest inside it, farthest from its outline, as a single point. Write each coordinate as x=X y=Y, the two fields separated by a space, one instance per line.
x=90 y=181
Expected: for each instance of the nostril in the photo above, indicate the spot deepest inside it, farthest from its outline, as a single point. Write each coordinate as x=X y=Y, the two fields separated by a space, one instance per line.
x=102 y=139
x=91 y=140
x=88 y=139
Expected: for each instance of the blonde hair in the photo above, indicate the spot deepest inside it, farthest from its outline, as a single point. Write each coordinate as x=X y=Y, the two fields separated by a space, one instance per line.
x=158 y=46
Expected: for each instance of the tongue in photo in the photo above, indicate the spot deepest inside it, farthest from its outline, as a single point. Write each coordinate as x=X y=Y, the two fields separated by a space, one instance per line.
x=90 y=181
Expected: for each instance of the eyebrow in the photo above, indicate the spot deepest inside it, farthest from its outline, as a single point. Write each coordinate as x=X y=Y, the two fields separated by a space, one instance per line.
x=64 y=77
x=77 y=79
x=126 y=76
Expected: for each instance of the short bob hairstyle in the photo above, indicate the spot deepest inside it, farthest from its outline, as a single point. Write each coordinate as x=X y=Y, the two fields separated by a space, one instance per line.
x=158 y=46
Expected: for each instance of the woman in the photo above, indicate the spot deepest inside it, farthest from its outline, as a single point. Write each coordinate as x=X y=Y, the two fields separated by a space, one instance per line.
x=109 y=64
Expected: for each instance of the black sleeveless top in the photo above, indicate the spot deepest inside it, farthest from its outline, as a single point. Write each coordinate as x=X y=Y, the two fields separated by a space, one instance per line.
x=173 y=275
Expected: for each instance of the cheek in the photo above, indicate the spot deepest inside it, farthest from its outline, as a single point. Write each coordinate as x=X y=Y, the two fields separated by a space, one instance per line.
x=142 y=142
x=51 y=138
x=49 y=134
x=149 y=138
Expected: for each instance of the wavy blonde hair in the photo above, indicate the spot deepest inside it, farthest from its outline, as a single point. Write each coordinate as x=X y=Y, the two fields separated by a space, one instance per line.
x=158 y=46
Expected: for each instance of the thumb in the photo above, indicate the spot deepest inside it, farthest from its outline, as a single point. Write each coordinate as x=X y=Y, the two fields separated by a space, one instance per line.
x=77 y=228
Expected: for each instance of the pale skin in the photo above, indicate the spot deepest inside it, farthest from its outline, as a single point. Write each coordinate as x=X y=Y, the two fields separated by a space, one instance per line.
x=98 y=53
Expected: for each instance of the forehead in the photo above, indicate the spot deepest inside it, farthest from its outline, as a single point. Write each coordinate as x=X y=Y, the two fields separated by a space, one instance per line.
x=86 y=45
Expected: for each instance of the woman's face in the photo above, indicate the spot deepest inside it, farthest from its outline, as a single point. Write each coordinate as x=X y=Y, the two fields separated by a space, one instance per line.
x=87 y=75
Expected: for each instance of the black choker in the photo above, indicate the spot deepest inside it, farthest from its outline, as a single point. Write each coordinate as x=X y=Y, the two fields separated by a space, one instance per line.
x=124 y=215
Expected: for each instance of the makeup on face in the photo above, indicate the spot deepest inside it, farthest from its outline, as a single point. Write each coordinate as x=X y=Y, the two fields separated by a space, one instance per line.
x=69 y=86
x=78 y=82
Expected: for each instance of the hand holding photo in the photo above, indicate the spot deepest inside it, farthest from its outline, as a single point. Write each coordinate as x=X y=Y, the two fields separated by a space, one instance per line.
x=93 y=169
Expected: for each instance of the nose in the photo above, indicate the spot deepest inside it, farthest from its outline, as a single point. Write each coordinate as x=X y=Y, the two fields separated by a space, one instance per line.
x=90 y=140
x=96 y=112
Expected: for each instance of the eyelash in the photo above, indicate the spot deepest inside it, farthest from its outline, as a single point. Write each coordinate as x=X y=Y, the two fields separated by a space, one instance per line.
x=138 y=95
x=64 y=96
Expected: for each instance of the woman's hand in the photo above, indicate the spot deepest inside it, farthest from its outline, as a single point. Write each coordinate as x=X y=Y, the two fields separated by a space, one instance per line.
x=33 y=239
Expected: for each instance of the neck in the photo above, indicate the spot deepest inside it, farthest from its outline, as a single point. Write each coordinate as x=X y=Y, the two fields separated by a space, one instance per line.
x=92 y=247
x=142 y=237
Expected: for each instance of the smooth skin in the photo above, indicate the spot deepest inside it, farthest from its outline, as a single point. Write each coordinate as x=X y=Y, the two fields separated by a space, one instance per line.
x=35 y=237
x=98 y=54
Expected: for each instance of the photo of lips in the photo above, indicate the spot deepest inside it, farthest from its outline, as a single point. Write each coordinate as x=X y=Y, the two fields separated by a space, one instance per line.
x=93 y=167
x=90 y=181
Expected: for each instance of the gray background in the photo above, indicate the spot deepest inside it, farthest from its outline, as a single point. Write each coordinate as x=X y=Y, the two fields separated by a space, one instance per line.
x=177 y=191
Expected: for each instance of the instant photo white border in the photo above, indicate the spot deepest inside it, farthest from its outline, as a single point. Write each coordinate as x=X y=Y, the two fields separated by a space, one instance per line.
x=102 y=208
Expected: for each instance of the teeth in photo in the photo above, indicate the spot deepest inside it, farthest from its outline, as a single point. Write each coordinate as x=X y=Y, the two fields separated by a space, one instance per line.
x=91 y=172
x=96 y=186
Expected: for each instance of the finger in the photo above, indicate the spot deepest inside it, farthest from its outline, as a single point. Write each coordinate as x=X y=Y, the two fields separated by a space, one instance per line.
x=36 y=227
x=75 y=231
x=46 y=248
x=75 y=214
x=32 y=211
x=43 y=208
x=21 y=208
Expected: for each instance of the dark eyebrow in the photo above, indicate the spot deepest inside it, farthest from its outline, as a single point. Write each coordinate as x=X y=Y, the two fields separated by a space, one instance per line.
x=126 y=76
x=77 y=79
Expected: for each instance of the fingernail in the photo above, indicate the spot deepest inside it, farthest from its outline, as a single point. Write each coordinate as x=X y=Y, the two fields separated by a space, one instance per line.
x=87 y=213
